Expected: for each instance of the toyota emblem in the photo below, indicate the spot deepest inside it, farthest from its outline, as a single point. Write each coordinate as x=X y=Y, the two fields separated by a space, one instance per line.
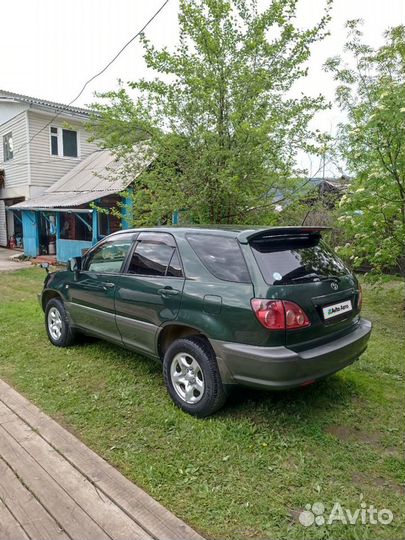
x=334 y=286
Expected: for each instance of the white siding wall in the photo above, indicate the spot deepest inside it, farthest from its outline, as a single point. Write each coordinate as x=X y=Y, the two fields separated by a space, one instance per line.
x=16 y=169
x=9 y=109
x=45 y=168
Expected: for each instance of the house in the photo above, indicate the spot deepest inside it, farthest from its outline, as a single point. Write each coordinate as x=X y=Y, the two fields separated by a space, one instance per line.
x=328 y=191
x=74 y=213
x=54 y=183
x=40 y=141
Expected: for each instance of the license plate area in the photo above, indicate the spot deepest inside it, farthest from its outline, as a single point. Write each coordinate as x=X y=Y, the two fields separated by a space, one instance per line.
x=337 y=311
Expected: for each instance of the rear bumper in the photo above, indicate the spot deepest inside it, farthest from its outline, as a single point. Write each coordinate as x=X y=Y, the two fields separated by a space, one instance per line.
x=282 y=368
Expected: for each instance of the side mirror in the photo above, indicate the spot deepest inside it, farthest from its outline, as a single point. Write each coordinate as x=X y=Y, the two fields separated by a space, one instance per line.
x=45 y=266
x=74 y=264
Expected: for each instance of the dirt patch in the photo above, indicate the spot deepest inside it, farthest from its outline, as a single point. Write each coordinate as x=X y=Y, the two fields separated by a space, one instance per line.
x=290 y=464
x=362 y=479
x=373 y=439
x=345 y=433
x=393 y=452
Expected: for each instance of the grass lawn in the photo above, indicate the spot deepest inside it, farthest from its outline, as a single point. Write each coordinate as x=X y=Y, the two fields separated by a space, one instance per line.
x=248 y=471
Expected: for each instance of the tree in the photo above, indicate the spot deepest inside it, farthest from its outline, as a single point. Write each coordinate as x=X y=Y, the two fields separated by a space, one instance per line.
x=219 y=125
x=372 y=142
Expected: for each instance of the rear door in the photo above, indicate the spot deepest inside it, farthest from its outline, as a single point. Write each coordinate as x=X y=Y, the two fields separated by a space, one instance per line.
x=150 y=290
x=300 y=268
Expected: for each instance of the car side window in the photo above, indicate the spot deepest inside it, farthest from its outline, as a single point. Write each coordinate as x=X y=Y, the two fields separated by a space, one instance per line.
x=221 y=255
x=109 y=256
x=174 y=269
x=155 y=255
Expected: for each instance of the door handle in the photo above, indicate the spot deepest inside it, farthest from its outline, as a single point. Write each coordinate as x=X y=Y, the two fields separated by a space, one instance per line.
x=168 y=291
x=107 y=285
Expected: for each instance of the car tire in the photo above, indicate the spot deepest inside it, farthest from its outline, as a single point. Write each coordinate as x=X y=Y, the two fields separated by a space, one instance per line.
x=192 y=376
x=57 y=324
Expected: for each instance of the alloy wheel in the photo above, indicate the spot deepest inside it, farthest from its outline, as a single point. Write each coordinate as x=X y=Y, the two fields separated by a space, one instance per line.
x=55 y=323
x=187 y=378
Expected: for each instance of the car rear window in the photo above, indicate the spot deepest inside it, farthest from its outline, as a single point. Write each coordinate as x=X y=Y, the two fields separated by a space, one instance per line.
x=221 y=255
x=296 y=260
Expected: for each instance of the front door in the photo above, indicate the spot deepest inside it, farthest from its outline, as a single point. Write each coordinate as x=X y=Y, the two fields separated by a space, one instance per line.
x=92 y=292
x=149 y=290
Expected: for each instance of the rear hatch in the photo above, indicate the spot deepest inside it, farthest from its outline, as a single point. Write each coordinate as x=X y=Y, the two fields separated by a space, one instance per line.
x=297 y=266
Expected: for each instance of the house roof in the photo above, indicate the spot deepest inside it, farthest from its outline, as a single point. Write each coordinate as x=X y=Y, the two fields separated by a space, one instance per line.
x=93 y=178
x=5 y=95
x=341 y=182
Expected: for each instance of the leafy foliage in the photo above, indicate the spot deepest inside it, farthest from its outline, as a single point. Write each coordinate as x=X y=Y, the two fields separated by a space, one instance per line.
x=217 y=118
x=372 y=142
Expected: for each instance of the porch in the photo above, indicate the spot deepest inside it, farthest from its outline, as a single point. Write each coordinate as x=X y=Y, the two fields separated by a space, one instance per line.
x=78 y=210
x=68 y=232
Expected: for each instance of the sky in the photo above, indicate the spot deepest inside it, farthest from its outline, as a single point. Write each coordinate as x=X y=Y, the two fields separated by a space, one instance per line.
x=51 y=47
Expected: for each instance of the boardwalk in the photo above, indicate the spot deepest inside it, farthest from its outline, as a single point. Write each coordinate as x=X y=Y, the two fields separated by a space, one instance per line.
x=53 y=487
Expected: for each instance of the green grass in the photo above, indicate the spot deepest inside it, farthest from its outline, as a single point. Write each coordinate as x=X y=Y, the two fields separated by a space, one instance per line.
x=249 y=470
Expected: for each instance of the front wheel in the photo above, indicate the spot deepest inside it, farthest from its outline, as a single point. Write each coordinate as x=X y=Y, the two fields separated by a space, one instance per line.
x=58 y=327
x=192 y=377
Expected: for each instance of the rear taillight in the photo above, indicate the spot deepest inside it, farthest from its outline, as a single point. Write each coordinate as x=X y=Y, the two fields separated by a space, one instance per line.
x=279 y=314
x=360 y=298
x=295 y=317
x=270 y=313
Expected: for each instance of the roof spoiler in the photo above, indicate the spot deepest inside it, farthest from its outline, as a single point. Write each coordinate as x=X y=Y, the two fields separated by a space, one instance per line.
x=273 y=233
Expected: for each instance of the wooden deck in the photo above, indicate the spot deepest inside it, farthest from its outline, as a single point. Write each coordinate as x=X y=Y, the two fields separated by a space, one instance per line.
x=53 y=487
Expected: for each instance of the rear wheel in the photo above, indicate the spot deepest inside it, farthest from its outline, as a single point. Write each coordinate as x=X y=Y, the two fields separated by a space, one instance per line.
x=58 y=327
x=192 y=377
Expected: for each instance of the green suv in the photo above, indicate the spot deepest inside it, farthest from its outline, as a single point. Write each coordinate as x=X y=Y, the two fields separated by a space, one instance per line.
x=268 y=308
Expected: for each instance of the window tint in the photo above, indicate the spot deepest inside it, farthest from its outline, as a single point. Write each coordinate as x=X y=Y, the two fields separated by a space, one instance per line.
x=150 y=259
x=296 y=260
x=69 y=143
x=221 y=255
x=108 y=257
x=174 y=269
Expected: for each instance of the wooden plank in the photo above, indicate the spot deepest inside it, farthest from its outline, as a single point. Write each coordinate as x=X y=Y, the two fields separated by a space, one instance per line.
x=6 y=414
x=10 y=529
x=58 y=503
x=98 y=506
x=141 y=507
x=27 y=510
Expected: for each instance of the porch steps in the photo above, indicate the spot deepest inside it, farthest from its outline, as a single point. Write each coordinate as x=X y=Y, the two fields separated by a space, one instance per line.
x=51 y=259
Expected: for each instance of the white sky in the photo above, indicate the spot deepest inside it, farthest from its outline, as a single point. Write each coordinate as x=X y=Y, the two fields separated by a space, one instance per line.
x=51 y=47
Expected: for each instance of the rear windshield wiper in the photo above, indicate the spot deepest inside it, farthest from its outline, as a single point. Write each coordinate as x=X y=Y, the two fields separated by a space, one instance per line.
x=314 y=277
x=307 y=277
x=332 y=278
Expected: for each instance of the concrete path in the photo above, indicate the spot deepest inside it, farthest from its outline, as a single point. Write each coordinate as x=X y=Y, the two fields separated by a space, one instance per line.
x=53 y=487
x=6 y=264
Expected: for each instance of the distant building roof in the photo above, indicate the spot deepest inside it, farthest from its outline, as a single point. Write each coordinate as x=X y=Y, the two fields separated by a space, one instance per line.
x=338 y=182
x=92 y=179
x=43 y=103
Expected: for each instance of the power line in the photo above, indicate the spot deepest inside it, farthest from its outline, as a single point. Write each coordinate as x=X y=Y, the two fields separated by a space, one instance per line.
x=95 y=76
